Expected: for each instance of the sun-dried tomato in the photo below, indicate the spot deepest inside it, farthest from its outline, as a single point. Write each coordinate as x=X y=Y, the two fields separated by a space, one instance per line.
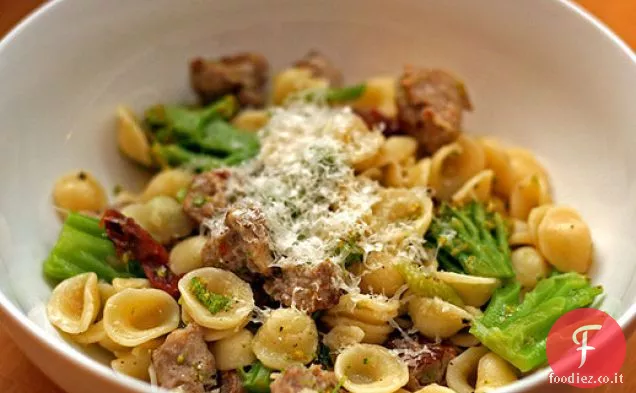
x=136 y=243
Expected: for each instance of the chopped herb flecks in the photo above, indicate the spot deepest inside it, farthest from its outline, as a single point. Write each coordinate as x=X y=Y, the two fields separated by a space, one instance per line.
x=214 y=302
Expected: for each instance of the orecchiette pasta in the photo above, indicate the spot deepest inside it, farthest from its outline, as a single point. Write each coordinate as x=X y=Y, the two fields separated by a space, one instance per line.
x=462 y=369
x=342 y=336
x=418 y=174
x=105 y=291
x=529 y=266
x=379 y=94
x=119 y=284
x=293 y=80
x=493 y=372
x=368 y=368
x=135 y=316
x=167 y=183
x=251 y=119
x=464 y=340
x=474 y=291
x=454 y=164
x=112 y=346
x=396 y=149
x=186 y=255
x=565 y=240
x=498 y=161
x=137 y=362
x=221 y=282
x=534 y=219
x=75 y=303
x=94 y=334
x=131 y=138
x=524 y=164
x=401 y=213
x=379 y=275
x=520 y=234
x=435 y=318
x=162 y=217
x=527 y=194
x=373 y=333
x=79 y=191
x=435 y=388
x=477 y=188
x=287 y=337
x=211 y=335
x=233 y=352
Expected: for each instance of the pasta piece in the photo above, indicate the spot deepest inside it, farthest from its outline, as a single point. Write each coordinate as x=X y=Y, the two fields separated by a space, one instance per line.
x=463 y=368
x=395 y=174
x=464 y=340
x=211 y=335
x=135 y=316
x=167 y=183
x=362 y=146
x=496 y=204
x=474 y=291
x=105 y=291
x=435 y=388
x=74 y=303
x=79 y=191
x=373 y=309
x=163 y=217
x=565 y=240
x=454 y=164
x=93 y=335
x=251 y=119
x=186 y=255
x=293 y=80
x=418 y=175
x=435 y=318
x=534 y=219
x=524 y=164
x=234 y=352
x=401 y=213
x=478 y=187
x=378 y=275
x=373 y=333
x=529 y=266
x=493 y=372
x=379 y=94
x=498 y=160
x=287 y=337
x=527 y=194
x=397 y=149
x=137 y=362
x=342 y=336
x=367 y=368
x=220 y=282
x=520 y=234
x=131 y=138
x=113 y=347
x=119 y=284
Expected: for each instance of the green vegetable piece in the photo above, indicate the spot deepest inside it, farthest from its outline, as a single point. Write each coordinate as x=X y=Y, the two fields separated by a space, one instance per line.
x=343 y=94
x=181 y=194
x=176 y=156
x=83 y=247
x=350 y=251
x=518 y=331
x=472 y=238
x=214 y=302
x=323 y=357
x=218 y=136
x=257 y=379
x=423 y=284
x=188 y=120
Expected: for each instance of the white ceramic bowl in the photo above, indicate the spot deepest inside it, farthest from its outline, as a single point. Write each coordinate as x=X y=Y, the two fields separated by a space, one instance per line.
x=542 y=74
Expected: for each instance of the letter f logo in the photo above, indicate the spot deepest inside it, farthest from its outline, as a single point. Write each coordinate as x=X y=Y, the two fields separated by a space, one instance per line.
x=584 y=347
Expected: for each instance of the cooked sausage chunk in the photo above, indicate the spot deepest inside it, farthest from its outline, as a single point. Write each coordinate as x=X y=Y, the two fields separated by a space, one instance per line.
x=242 y=246
x=298 y=378
x=308 y=287
x=427 y=361
x=184 y=360
x=230 y=382
x=243 y=75
x=430 y=105
x=206 y=195
x=321 y=67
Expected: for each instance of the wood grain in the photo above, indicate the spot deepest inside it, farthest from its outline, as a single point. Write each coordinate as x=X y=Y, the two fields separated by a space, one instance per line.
x=18 y=375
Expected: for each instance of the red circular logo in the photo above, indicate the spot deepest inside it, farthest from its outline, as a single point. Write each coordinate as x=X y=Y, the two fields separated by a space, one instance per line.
x=586 y=348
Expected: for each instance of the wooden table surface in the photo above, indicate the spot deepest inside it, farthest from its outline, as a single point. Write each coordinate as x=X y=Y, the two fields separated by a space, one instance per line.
x=19 y=375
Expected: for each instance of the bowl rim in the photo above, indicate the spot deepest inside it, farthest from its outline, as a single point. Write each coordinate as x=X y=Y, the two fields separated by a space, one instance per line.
x=627 y=320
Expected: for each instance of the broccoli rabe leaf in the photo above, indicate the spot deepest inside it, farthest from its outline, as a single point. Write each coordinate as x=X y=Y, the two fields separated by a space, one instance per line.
x=323 y=357
x=347 y=93
x=517 y=331
x=257 y=379
x=213 y=302
x=472 y=238
x=423 y=284
x=83 y=247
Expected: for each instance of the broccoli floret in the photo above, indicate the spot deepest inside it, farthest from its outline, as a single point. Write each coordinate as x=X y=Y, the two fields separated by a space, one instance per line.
x=518 y=331
x=257 y=379
x=213 y=302
x=84 y=247
x=472 y=238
